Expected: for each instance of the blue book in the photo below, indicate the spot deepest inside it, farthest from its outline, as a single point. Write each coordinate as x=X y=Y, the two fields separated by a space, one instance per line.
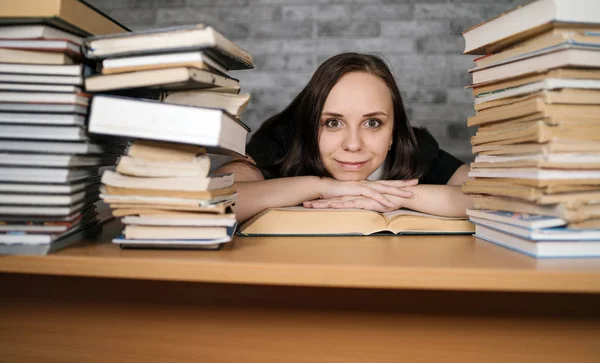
x=540 y=249
x=191 y=244
x=531 y=221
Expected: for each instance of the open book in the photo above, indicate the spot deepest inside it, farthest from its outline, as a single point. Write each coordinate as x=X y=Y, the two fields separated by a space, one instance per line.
x=299 y=221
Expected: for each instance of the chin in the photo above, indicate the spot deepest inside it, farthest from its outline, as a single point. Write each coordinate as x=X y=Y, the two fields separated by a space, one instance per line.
x=344 y=176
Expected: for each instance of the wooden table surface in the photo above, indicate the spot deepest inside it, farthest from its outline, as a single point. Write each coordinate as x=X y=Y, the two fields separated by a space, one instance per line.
x=391 y=262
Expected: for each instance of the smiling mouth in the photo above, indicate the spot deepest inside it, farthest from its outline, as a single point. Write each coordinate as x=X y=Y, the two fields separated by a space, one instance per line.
x=351 y=165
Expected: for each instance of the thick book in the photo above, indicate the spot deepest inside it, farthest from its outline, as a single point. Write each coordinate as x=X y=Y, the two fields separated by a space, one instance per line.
x=41 y=118
x=559 y=73
x=552 y=147
x=55 y=147
x=537 y=174
x=570 y=212
x=545 y=85
x=162 y=79
x=121 y=210
x=549 y=249
x=50 y=45
x=144 y=119
x=133 y=231
x=180 y=184
x=196 y=59
x=534 y=108
x=566 y=193
x=37 y=31
x=537 y=132
x=530 y=221
x=540 y=160
x=42 y=69
x=527 y=21
x=163 y=200
x=299 y=221
x=35 y=132
x=140 y=192
x=134 y=166
x=169 y=243
x=74 y=16
x=559 y=233
x=195 y=37
x=56 y=160
x=164 y=151
x=34 y=56
x=182 y=219
x=46 y=175
x=45 y=98
x=41 y=79
x=583 y=58
x=545 y=42
x=232 y=103
x=570 y=96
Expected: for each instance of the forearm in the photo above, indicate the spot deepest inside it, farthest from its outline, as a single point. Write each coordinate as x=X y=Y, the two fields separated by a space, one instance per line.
x=256 y=196
x=442 y=200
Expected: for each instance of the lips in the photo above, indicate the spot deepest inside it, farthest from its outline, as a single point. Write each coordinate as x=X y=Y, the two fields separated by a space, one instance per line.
x=351 y=165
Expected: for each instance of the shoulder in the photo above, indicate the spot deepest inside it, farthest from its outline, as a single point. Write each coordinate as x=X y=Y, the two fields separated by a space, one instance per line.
x=438 y=165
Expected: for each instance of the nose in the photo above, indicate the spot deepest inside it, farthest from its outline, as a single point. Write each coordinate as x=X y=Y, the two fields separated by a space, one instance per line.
x=352 y=140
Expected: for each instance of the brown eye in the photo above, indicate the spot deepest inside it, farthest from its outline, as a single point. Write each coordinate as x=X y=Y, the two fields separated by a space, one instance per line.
x=373 y=123
x=333 y=123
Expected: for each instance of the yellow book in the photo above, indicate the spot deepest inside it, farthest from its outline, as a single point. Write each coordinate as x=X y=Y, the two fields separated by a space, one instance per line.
x=299 y=221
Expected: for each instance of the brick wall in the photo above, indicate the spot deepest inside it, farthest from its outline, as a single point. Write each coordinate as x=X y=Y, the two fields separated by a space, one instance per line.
x=288 y=39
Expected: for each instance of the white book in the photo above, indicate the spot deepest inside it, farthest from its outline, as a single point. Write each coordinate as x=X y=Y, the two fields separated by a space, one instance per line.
x=44 y=97
x=39 y=87
x=36 y=31
x=41 y=210
x=40 y=199
x=134 y=199
x=534 y=173
x=33 y=56
x=56 y=160
x=532 y=221
x=563 y=58
x=56 y=147
x=547 y=84
x=48 y=45
x=188 y=184
x=574 y=158
x=528 y=20
x=43 y=79
x=118 y=116
x=41 y=118
x=225 y=220
x=541 y=234
x=64 y=188
x=232 y=103
x=199 y=244
x=41 y=69
x=45 y=175
x=62 y=133
x=44 y=107
x=162 y=60
x=539 y=249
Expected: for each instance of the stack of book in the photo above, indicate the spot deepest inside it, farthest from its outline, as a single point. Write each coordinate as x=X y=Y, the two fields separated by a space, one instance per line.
x=537 y=103
x=49 y=166
x=162 y=186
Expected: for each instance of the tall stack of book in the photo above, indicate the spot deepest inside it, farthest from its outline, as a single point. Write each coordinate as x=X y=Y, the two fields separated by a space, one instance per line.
x=49 y=166
x=162 y=186
x=537 y=103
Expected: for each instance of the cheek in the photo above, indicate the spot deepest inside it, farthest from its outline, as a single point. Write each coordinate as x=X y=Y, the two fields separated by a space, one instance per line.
x=378 y=143
x=328 y=142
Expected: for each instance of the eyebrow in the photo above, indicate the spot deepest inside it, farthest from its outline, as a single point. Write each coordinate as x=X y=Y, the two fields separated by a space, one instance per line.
x=365 y=115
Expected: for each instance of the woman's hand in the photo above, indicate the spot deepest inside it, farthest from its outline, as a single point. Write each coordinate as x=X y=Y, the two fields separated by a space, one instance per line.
x=363 y=194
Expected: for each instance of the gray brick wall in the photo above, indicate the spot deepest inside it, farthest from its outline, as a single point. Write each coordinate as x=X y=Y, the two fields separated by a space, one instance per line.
x=419 y=38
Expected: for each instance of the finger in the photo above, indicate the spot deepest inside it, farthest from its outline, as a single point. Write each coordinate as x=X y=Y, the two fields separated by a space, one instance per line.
x=399 y=183
x=392 y=190
x=378 y=196
x=360 y=203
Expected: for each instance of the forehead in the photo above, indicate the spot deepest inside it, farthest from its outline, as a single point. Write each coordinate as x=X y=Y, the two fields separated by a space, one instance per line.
x=359 y=91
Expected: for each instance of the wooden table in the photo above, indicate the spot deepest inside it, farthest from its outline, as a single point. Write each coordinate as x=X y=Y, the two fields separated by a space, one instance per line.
x=344 y=299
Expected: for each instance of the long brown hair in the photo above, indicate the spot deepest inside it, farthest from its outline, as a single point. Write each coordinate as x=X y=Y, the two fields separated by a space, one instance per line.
x=300 y=154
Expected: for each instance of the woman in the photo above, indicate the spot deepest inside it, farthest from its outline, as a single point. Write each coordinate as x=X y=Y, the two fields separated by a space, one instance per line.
x=345 y=142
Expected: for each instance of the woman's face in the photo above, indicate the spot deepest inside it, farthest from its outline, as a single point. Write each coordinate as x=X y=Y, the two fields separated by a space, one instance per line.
x=355 y=129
